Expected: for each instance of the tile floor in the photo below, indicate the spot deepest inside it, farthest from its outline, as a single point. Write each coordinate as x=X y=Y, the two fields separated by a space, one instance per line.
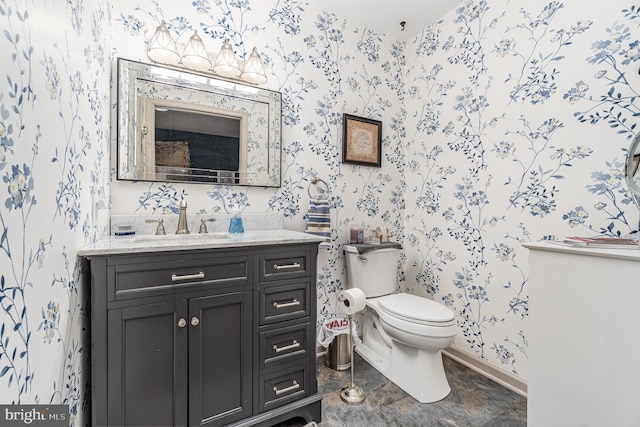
x=474 y=401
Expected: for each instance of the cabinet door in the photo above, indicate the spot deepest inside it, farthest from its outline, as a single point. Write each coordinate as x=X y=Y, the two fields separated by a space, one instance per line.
x=220 y=368
x=147 y=365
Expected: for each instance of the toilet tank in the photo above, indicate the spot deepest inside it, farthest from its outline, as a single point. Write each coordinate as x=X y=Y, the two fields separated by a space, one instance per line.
x=373 y=271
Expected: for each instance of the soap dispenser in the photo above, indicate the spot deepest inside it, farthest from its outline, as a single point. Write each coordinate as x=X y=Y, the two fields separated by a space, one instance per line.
x=235 y=222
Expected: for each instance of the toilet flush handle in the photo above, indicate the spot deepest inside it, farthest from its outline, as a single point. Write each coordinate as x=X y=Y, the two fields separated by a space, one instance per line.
x=363 y=258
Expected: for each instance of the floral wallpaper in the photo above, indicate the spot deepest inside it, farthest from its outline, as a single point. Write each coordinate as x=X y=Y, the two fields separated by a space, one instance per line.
x=519 y=118
x=54 y=136
x=502 y=123
x=324 y=66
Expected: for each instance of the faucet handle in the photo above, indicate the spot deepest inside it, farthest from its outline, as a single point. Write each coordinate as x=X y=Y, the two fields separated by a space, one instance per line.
x=203 y=225
x=160 y=229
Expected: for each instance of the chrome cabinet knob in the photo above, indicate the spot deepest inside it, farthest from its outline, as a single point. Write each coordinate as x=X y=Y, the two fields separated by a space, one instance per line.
x=182 y=323
x=195 y=321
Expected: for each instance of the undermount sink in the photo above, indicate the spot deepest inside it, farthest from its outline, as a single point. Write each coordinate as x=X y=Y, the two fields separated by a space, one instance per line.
x=182 y=237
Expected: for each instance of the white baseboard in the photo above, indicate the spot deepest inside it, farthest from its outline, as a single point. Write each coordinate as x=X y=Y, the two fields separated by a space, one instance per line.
x=481 y=366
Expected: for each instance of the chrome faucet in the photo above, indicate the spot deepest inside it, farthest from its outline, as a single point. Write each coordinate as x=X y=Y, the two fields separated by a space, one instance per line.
x=182 y=219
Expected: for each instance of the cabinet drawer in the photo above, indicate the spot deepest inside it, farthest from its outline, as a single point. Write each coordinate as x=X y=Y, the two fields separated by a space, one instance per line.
x=284 y=344
x=164 y=275
x=278 y=303
x=285 y=265
x=284 y=386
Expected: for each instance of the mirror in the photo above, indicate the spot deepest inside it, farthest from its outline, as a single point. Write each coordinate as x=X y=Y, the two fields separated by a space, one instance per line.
x=631 y=172
x=180 y=126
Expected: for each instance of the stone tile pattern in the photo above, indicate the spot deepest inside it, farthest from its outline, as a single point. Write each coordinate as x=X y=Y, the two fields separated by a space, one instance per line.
x=474 y=401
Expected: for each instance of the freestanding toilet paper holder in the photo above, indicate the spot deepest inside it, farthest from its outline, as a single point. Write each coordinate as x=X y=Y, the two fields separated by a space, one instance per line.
x=352 y=394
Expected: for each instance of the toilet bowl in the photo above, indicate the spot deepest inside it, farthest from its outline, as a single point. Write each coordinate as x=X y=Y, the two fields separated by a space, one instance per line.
x=403 y=334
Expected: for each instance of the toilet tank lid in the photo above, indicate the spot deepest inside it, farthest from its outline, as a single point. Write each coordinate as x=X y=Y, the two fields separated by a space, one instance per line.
x=362 y=248
x=416 y=308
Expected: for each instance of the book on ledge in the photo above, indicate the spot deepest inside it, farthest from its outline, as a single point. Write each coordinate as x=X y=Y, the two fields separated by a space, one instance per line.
x=601 y=242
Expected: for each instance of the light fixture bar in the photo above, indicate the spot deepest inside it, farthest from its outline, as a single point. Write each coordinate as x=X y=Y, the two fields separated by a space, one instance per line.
x=162 y=49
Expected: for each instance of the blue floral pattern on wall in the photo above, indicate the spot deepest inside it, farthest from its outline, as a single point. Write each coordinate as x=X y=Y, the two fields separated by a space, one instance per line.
x=529 y=111
x=54 y=136
x=502 y=123
x=484 y=140
x=324 y=66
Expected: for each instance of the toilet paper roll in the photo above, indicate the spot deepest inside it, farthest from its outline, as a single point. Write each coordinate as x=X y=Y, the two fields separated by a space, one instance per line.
x=351 y=301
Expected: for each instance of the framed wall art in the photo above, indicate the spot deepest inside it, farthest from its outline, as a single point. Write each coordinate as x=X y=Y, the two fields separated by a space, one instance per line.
x=361 y=141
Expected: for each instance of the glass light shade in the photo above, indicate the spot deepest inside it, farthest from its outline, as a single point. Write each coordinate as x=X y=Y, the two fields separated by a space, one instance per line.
x=253 y=70
x=162 y=48
x=226 y=63
x=195 y=54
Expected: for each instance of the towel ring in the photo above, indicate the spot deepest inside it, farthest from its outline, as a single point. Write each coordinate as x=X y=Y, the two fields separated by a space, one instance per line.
x=316 y=180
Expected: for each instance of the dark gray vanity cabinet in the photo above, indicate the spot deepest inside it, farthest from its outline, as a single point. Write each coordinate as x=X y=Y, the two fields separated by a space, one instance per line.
x=285 y=327
x=146 y=355
x=204 y=337
x=154 y=366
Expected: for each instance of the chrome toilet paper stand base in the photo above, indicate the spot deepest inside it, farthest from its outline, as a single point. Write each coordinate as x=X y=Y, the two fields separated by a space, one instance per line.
x=352 y=394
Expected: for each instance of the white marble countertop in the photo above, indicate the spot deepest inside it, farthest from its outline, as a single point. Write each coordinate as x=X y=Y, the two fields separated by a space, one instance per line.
x=171 y=242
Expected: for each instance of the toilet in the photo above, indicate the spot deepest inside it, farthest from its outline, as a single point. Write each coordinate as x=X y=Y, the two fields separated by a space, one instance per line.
x=403 y=334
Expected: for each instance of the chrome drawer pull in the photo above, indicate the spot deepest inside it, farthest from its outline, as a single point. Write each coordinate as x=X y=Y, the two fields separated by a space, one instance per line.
x=176 y=278
x=286 y=304
x=284 y=267
x=295 y=386
x=294 y=344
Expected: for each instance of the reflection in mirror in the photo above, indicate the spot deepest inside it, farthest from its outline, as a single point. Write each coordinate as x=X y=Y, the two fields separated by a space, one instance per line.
x=185 y=144
x=184 y=127
x=632 y=174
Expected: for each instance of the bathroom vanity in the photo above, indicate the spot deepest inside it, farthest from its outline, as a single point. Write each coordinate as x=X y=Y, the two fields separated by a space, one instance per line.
x=583 y=351
x=203 y=331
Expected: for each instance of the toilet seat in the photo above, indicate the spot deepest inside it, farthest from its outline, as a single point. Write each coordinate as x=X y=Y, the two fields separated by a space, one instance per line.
x=416 y=309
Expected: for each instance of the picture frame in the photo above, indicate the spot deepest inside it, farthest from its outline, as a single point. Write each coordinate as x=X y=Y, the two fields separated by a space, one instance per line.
x=361 y=141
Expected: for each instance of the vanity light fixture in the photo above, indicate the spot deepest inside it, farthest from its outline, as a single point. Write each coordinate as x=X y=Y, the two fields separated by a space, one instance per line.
x=226 y=63
x=195 y=55
x=162 y=49
x=253 y=70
